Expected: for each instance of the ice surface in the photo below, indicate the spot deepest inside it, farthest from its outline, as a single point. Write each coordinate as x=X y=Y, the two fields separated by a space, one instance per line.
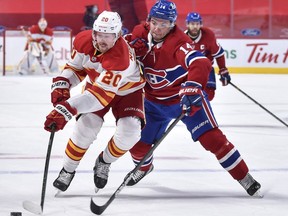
x=187 y=180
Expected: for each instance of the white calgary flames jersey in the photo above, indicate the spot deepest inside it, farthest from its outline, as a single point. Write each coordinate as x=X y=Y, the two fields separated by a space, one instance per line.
x=36 y=33
x=115 y=72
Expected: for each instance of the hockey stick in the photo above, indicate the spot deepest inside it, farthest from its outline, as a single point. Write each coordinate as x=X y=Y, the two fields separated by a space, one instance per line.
x=97 y=209
x=259 y=104
x=28 y=205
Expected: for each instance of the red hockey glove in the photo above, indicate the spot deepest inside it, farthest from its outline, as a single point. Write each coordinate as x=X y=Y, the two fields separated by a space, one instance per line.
x=59 y=117
x=224 y=76
x=128 y=37
x=140 y=46
x=191 y=97
x=210 y=92
x=60 y=90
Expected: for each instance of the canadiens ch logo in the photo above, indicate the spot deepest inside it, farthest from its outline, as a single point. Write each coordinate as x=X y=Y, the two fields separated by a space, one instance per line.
x=156 y=78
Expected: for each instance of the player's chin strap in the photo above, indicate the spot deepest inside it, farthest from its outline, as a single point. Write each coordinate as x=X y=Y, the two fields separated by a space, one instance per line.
x=96 y=209
x=258 y=104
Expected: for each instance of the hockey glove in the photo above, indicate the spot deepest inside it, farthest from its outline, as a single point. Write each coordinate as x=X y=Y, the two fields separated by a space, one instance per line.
x=140 y=46
x=60 y=90
x=128 y=37
x=210 y=92
x=59 y=117
x=224 y=76
x=211 y=85
x=191 y=97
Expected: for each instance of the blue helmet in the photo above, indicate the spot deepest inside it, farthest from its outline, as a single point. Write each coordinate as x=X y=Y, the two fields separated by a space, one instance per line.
x=164 y=10
x=193 y=17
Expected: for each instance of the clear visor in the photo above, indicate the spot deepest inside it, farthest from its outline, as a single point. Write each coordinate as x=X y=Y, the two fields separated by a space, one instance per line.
x=161 y=23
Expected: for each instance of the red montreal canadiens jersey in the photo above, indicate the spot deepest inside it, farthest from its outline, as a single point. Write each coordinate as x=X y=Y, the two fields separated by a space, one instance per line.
x=170 y=63
x=115 y=72
x=207 y=44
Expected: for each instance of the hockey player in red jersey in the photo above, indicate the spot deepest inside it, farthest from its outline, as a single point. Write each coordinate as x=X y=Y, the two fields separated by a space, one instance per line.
x=114 y=81
x=176 y=77
x=204 y=40
x=39 y=47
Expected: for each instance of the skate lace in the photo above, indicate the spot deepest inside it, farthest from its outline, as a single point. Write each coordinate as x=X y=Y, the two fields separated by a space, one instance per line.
x=102 y=170
x=65 y=177
x=138 y=175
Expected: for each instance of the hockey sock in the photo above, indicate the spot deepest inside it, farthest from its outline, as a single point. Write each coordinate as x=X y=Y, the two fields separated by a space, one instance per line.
x=138 y=152
x=228 y=156
x=112 y=152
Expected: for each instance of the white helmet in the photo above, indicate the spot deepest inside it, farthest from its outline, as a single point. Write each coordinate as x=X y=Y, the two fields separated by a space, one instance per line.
x=108 y=22
x=42 y=23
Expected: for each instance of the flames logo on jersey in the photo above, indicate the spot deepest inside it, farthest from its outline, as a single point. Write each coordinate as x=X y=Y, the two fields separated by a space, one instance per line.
x=158 y=79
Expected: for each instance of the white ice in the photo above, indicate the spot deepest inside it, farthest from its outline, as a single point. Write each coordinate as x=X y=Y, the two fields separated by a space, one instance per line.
x=187 y=180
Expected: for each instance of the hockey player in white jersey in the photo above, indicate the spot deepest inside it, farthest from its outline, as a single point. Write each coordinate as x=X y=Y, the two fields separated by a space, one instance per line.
x=114 y=81
x=38 y=50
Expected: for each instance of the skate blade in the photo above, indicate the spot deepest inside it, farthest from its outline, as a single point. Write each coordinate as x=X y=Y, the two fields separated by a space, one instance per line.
x=58 y=193
x=258 y=194
x=96 y=189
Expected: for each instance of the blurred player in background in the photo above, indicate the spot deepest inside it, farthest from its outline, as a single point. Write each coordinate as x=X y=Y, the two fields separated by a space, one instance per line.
x=39 y=48
x=204 y=40
x=176 y=78
x=114 y=81
x=90 y=16
x=133 y=12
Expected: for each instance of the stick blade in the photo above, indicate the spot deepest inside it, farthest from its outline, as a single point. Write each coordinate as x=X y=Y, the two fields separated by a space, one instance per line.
x=97 y=209
x=32 y=207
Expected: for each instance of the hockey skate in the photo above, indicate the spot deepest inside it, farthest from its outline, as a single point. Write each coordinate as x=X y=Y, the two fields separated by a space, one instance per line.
x=101 y=171
x=137 y=176
x=63 y=180
x=251 y=186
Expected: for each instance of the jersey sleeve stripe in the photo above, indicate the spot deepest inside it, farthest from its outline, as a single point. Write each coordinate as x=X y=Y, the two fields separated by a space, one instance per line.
x=81 y=74
x=219 y=53
x=192 y=56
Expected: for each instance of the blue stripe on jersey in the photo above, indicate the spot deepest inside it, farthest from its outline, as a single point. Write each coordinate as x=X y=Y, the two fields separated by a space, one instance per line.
x=191 y=56
x=219 y=53
x=230 y=160
x=176 y=73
